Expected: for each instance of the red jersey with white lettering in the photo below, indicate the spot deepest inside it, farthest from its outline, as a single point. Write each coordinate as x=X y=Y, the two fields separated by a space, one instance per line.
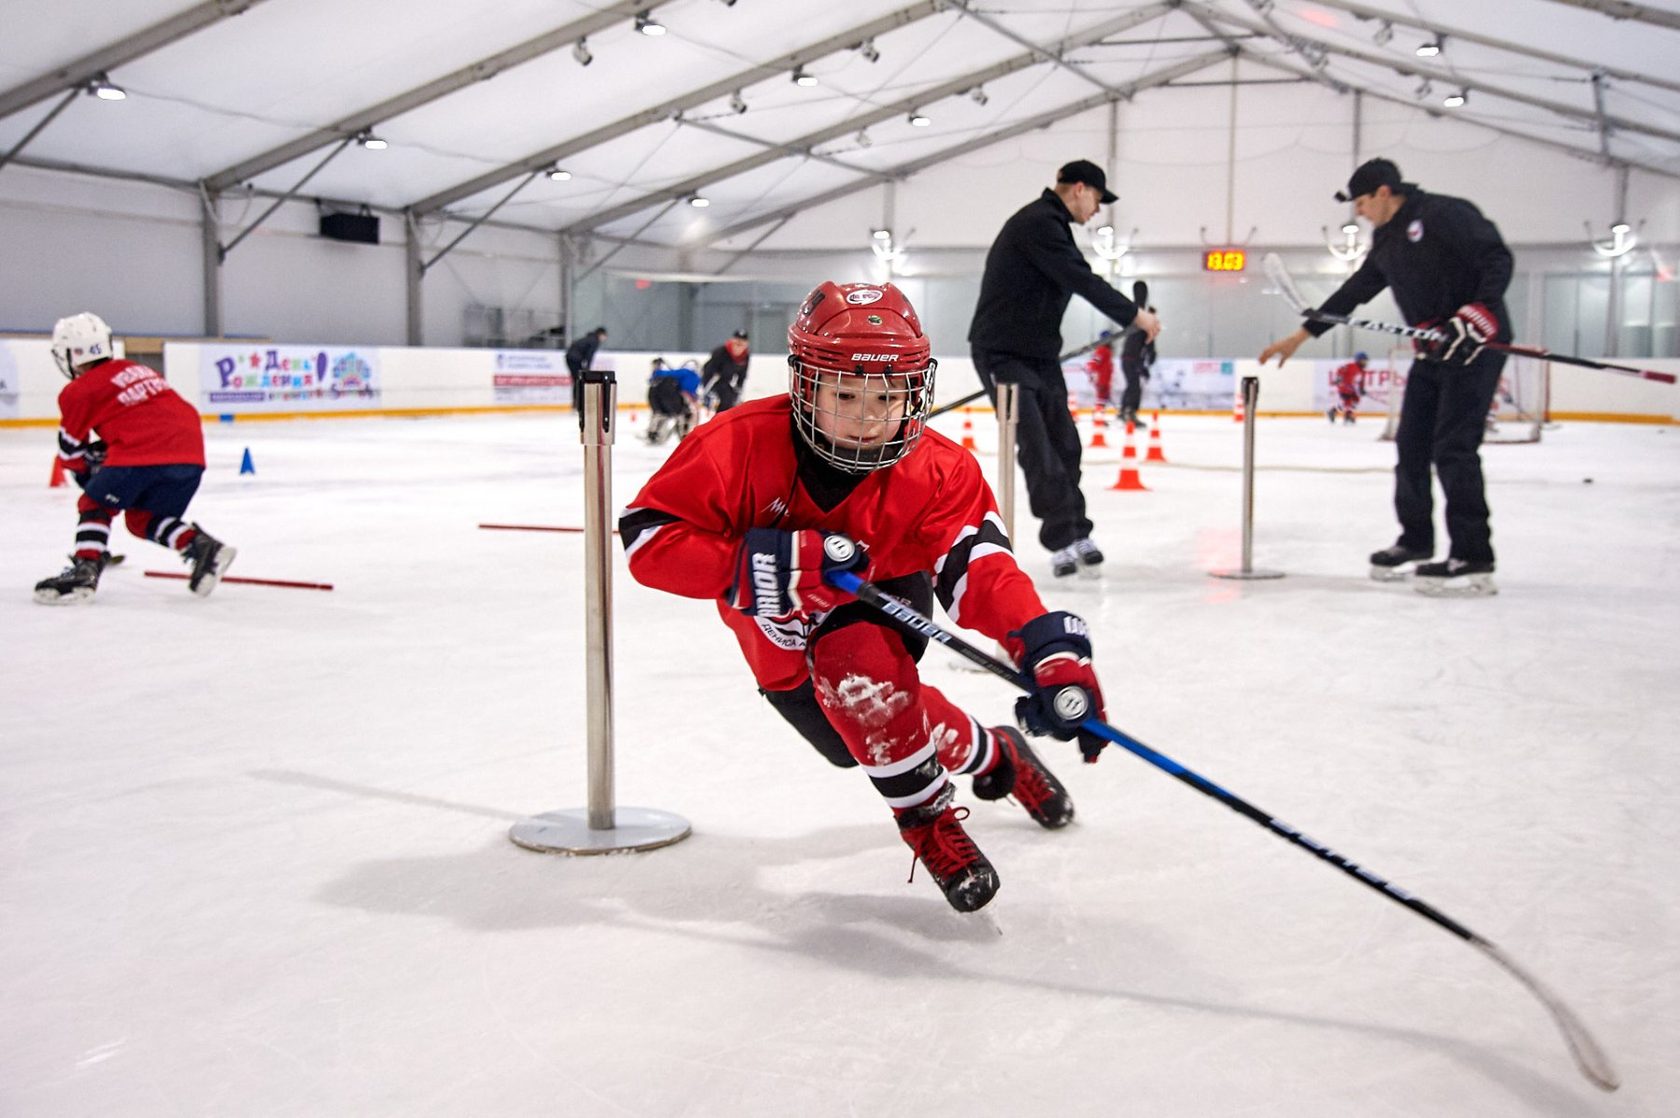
x=931 y=512
x=141 y=419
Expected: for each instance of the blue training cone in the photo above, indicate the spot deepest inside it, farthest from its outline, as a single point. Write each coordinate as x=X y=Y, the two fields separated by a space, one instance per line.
x=245 y=465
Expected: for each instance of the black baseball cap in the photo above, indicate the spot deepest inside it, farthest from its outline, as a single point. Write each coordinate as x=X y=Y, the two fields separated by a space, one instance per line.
x=1371 y=174
x=1083 y=170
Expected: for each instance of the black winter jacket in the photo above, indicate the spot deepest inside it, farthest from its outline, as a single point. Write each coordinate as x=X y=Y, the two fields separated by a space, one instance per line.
x=1437 y=253
x=1032 y=270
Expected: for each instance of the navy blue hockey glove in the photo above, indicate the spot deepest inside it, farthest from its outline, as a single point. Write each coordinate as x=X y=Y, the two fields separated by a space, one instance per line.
x=1055 y=650
x=778 y=574
x=1470 y=328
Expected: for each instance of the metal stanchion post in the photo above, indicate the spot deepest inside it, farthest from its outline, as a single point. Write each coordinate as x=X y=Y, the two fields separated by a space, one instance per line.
x=1251 y=397
x=1009 y=418
x=601 y=828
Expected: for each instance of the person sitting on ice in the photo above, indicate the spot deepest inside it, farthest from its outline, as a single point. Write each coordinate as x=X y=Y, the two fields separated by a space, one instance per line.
x=759 y=505
x=673 y=400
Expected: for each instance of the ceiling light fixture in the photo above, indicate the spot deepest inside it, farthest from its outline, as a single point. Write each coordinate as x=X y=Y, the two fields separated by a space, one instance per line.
x=737 y=103
x=867 y=49
x=881 y=234
x=699 y=201
x=978 y=95
x=863 y=139
x=368 y=140
x=1385 y=32
x=555 y=174
x=1429 y=48
x=917 y=120
x=103 y=88
x=647 y=25
x=1456 y=100
x=580 y=52
x=801 y=78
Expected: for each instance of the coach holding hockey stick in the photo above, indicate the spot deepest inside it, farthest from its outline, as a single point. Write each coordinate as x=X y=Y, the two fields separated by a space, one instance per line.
x=1448 y=268
x=1032 y=270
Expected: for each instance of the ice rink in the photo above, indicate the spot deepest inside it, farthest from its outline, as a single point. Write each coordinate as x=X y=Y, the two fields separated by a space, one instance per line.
x=254 y=855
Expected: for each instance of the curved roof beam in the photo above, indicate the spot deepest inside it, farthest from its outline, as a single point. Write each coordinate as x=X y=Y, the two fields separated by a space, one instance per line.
x=482 y=70
x=1398 y=18
x=137 y=45
x=1446 y=77
x=952 y=88
x=1621 y=9
x=538 y=160
x=1555 y=145
x=1042 y=120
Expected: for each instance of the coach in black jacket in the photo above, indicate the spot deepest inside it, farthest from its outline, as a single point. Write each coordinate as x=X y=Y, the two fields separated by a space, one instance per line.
x=1448 y=268
x=1032 y=270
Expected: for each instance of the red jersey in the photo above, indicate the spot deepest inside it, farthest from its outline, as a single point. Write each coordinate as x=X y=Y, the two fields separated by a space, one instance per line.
x=1349 y=380
x=931 y=512
x=142 y=420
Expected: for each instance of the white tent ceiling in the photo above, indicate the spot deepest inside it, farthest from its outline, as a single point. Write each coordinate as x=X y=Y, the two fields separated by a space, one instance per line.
x=477 y=100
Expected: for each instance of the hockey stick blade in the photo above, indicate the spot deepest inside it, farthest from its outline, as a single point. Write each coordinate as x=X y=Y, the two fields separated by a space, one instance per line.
x=1588 y=1056
x=1140 y=294
x=1279 y=275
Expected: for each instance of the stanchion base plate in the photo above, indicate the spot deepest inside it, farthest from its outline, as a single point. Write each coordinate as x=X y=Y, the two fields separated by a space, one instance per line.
x=568 y=831
x=1246 y=575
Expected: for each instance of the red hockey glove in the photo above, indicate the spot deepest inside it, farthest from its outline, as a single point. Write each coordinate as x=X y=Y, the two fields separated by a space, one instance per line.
x=1055 y=650
x=779 y=574
x=1470 y=328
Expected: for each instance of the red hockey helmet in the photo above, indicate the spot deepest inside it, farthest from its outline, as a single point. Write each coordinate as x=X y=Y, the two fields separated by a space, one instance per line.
x=860 y=374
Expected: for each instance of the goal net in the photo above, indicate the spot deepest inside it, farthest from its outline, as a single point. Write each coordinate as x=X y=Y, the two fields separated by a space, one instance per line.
x=1519 y=406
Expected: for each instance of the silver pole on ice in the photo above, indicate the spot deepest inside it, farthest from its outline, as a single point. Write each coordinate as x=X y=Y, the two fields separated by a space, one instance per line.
x=601 y=828
x=1251 y=397
x=1009 y=418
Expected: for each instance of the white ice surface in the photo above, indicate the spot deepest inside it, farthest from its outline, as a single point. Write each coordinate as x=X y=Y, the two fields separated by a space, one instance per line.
x=253 y=852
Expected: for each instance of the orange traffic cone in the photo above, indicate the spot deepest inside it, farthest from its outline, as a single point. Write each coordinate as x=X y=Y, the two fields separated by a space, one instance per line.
x=1129 y=478
x=57 y=474
x=1099 y=429
x=968 y=433
x=1156 y=454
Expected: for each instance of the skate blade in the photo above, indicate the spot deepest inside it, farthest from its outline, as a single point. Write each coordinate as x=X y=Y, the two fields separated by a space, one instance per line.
x=78 y=596
x=1464 y=586
x=1391 y=574
x=1091 y=571
x=224 y=560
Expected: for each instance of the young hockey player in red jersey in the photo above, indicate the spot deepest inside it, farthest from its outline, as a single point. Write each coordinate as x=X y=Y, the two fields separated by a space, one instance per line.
x=146 y=463
x=1349 y=384
x=755 y=507
x=1101 y=368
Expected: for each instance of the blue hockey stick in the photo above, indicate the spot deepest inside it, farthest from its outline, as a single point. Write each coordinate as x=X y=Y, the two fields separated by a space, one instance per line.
x=1589 y=1057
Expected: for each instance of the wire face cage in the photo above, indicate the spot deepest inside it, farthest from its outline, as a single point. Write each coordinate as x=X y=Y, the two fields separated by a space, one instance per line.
x=856 y=420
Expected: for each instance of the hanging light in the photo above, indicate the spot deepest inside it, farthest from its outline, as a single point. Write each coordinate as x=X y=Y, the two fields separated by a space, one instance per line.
x=555 y=174
x=580 y=52
x=1457 y=99
x=867 y=49
x=699 y=201
x=737 y=103
x=1429 y=48
x=978 y=95
x=881 y=234
x=103 y=88
x=647 y=25
x=368 y=140
x=917 y=120
x=801 y=78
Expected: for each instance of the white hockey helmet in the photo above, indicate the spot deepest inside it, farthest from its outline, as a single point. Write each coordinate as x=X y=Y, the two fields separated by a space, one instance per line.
x=81 y=339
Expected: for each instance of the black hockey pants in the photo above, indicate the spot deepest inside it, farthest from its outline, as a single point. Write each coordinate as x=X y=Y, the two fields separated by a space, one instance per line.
x=1047 y=441
x=1442 y=417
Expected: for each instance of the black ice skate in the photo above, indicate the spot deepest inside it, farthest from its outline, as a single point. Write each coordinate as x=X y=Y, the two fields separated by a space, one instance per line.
x=1090 y=557
x=1393 y=564
x=935 y=832
x=210 y=558
x=75 y=585
x=1456 y=578
x=1021 y=774
x=1064 y=562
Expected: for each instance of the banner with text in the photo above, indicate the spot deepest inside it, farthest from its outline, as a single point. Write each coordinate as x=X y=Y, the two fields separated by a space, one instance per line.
x=1187 y=384
x=1379 y=379
x=249 y=378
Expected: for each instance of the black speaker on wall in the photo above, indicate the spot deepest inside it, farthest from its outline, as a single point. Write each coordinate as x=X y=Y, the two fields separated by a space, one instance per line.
x=362 y=229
